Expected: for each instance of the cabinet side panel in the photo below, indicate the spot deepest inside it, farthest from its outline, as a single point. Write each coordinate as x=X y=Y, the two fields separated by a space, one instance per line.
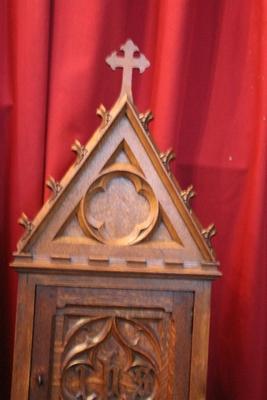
x=182 y=318
x=200 y=341
x=42 y=338
x=23 y=339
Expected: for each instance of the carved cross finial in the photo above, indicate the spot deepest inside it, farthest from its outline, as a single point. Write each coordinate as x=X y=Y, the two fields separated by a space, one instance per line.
x=128 y=62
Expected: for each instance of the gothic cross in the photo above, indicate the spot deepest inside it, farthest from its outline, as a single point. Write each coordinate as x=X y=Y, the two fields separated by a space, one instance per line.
x=128 y=62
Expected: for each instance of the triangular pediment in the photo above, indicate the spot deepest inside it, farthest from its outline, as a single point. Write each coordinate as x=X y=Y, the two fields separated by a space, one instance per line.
x=118 y=201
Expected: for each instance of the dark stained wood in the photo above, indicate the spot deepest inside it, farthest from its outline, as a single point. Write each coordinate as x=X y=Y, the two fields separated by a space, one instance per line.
x=115 y=272
x=180 y=351
x=43 y=335
x=200 y=340
x=157 y=338
x=23 y=338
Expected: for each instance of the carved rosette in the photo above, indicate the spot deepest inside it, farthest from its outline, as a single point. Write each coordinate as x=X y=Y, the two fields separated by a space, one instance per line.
x=97 y=229
x=110 y=358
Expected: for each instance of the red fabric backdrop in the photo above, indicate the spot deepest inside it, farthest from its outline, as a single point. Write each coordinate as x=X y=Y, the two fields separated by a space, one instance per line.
x=207 y=87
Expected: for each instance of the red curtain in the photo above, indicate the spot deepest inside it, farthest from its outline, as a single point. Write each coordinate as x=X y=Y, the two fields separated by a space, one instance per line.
x=207 y=87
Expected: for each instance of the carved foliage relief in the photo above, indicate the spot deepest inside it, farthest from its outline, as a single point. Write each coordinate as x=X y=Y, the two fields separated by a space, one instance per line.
x=113 y=358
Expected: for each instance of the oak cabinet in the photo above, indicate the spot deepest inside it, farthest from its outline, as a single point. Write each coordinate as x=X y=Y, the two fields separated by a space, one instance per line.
x=115 y=274
x=110 y=343
x=111 y=338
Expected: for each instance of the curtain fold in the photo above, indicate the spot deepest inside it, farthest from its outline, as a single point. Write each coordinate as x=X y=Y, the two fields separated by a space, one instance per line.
x=207 y=87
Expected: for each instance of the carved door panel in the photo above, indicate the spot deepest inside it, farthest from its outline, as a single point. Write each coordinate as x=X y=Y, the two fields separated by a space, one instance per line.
x=106 y=344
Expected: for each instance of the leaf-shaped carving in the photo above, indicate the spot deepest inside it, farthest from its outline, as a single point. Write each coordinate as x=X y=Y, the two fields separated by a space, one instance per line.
x=110 y=363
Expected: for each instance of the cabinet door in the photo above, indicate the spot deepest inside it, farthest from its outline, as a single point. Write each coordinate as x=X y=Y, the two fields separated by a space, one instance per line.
x=107 y=344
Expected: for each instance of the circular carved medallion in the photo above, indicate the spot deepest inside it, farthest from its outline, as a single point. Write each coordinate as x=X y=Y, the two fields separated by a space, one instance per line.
x=119 y=207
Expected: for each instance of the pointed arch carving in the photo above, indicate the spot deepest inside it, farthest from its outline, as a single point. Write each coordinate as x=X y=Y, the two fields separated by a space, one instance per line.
x=110 y=358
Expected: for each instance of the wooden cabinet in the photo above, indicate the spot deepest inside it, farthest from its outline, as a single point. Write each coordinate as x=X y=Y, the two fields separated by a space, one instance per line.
x=114 y=276
x=127 y=338
x=111 y=343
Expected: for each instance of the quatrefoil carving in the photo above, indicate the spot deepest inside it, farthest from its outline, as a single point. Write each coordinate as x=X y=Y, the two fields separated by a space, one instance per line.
x=119 y=208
